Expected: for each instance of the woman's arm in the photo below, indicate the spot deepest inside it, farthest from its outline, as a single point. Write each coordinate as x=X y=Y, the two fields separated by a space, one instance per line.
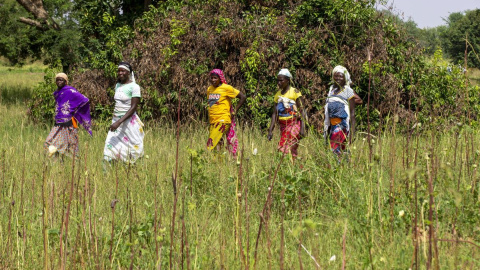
x=272 y=123
x=355 y=100
x=130 y=112
x=242 y=98
x=352 y=118
x=302 y=111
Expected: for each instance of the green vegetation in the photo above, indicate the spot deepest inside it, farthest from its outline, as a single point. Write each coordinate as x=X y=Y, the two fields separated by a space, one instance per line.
x=462 y=34
x=407 y=198
x=67 y=33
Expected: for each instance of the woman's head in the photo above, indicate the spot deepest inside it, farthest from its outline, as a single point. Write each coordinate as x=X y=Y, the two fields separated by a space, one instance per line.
x=61 y=79
x=125 y=72
x=217 y=77
x=283 y=78
x=341 y=77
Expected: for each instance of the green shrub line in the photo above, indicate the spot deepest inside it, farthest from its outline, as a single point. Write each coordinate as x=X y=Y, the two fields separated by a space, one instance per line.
x=174 y=45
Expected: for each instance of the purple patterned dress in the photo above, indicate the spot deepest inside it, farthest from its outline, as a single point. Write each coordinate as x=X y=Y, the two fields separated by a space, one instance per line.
x=72 y=109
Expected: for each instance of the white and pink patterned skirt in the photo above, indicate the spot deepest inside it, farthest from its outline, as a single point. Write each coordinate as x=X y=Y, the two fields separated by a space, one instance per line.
x=125 y=143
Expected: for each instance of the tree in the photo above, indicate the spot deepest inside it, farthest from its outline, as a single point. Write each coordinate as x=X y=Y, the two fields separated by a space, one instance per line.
x=463 y=27
x=17 y=42
x=30 y=32
x=430 y=38
x=66 y=33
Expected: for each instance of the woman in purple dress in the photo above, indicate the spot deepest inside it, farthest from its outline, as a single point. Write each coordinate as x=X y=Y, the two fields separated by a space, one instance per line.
x=72 y=109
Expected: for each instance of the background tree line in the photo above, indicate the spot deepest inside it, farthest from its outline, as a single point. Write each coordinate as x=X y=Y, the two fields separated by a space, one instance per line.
x=72 y=32
x=462 y=29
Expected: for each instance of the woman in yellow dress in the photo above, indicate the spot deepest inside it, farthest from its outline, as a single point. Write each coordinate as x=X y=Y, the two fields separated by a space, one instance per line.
x=221 y=113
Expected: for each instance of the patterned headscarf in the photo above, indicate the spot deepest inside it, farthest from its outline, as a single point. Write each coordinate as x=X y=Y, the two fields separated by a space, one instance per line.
x=63 y=76
x=219 y=72
x=344 y=71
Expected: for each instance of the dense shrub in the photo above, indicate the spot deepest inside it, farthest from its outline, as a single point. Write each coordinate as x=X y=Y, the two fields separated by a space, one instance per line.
x=175 y=45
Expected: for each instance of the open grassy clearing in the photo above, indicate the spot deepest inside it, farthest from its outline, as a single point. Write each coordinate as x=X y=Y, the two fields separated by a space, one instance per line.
x=16 y=82
x=474 y=75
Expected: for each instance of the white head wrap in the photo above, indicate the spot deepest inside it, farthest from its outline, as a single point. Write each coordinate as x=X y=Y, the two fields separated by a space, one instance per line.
x=344 y=71
x=285 y=72
x=132 y=75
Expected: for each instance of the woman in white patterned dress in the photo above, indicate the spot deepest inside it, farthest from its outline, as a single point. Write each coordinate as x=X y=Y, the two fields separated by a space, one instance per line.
x=340 y=110
x=125 y=136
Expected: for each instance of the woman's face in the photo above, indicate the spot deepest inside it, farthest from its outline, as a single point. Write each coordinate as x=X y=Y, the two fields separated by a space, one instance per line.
x=215 y=80
x=282 y=82
x=339 y=79
x=123 y=75
x=61 y=82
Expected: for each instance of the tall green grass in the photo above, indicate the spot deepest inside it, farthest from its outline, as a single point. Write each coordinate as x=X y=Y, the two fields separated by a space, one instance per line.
x=376 y=211
x=367 y=205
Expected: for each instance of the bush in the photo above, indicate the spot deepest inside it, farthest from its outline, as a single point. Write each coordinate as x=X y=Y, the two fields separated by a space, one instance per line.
x=174 y=46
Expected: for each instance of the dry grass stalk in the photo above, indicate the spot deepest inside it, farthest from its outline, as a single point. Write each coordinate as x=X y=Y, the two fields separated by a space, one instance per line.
x=368 y=107
x=300 y=264
x=238 y=197
x=22 y=182
x=67 y=216
x=247 y=220
x=174 y=180
x=44 y=218
x=344 y=248
x=130 y=214
x=155 y=216
x=282 y=233
x=112 y=235
x=265 y=211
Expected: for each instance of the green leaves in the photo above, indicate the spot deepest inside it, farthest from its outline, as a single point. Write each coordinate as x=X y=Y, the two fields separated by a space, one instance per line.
x=463 y=32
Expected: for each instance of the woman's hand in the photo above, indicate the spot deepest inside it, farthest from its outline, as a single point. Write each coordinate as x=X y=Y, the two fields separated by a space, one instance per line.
x=114 y=126
x=128 y=114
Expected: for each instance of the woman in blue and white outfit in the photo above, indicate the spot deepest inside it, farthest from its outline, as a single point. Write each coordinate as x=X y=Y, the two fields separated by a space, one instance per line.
x=125 y=136
x=340 y=110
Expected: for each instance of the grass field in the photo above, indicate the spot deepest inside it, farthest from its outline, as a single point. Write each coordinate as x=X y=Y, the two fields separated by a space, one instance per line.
x=474 y=76
x=412 y=198
x=16 y=82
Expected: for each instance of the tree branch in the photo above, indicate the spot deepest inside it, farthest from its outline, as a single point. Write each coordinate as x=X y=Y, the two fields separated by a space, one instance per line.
x=35 y=7
x=37 y=11
x=31 y=22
